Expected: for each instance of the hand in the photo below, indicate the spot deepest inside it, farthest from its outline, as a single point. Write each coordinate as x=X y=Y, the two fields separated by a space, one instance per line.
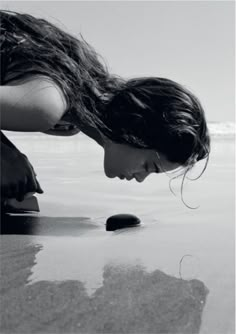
x=17 y=174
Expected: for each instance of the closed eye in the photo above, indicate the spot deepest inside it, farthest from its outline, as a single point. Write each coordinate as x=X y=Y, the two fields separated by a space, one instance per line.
x=157 y=168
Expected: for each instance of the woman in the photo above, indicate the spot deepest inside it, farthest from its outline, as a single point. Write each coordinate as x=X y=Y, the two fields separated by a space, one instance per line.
x=54 y=83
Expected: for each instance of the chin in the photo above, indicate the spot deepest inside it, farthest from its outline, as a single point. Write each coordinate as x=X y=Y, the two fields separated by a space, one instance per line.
x=111 y=176
x=139 y=180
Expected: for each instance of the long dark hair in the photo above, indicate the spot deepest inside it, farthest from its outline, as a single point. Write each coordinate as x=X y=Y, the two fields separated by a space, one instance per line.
x=33 y=45
x=159 y=114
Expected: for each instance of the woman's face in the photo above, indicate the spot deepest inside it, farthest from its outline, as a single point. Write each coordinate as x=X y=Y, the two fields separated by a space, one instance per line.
x=128 y=162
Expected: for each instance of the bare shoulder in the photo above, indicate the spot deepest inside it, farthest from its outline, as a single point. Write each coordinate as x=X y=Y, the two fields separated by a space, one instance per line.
x=44 y=87
x=39 y=97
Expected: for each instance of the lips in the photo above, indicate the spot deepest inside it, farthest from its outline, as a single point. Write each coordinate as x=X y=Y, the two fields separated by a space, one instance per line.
x=128 y=178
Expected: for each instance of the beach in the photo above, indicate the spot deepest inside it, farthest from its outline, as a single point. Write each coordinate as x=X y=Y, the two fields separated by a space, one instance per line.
x=62 y=272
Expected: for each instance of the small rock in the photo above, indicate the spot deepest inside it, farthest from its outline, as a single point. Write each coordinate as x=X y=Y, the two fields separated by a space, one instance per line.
x=121 y=221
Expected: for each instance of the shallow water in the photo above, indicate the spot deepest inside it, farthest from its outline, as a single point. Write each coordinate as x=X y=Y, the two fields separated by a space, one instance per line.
x=66 y=253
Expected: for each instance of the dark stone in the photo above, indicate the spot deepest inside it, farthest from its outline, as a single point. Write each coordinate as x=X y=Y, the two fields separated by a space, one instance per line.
x=121 y=221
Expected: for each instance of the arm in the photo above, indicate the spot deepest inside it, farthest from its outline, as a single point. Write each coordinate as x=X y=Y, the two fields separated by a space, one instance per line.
x=35 y=104
x=18 y=177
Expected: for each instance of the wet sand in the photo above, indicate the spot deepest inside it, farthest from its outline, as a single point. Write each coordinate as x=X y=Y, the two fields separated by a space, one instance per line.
x=62 y=272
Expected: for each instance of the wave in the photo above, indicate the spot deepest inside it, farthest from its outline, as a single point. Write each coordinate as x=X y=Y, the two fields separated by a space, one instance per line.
x=221 y=129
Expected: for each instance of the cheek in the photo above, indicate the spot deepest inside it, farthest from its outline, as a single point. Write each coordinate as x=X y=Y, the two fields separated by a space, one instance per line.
x=119 y=161
x=112 y=164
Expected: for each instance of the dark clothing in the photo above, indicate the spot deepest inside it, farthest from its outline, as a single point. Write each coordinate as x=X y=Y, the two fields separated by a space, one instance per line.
x=18 y=177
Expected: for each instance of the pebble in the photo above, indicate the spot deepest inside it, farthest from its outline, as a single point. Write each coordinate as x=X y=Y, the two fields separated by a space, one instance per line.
x=120 y=221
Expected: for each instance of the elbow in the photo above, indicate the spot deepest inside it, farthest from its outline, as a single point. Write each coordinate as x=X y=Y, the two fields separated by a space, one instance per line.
x=51 y=109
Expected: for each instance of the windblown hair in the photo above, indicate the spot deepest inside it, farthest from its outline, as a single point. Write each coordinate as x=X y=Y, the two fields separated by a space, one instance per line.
x=162 y=115
x=31 y=45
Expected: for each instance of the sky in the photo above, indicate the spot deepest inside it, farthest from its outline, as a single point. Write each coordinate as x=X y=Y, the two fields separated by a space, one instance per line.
x=191 y=42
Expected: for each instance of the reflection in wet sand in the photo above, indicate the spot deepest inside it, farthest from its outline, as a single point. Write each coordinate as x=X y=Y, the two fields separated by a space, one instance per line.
x=67 y=250
x=48 y=226
x=130 y=300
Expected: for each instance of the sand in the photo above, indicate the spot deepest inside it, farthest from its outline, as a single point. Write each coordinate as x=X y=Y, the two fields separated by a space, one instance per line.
x=62 y=272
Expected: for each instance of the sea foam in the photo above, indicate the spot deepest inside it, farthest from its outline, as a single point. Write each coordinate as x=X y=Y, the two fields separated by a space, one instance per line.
x=221 y=129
